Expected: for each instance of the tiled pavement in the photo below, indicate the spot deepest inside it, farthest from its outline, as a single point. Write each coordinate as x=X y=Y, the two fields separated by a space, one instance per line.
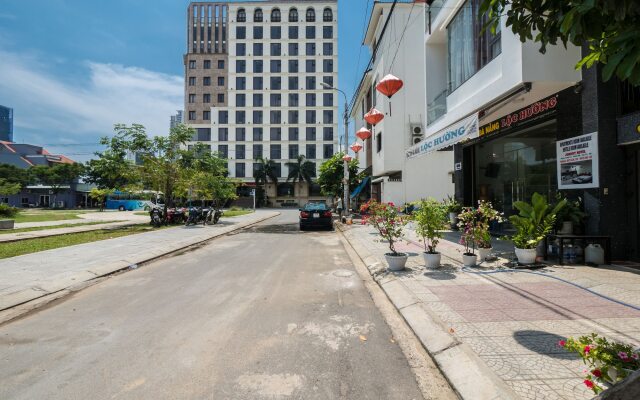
x=514 y=320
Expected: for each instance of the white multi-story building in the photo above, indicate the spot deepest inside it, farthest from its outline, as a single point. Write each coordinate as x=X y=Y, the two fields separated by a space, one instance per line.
x=267 y=101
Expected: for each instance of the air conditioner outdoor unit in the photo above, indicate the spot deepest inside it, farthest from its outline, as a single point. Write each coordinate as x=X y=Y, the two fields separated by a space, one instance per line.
x=416 y=133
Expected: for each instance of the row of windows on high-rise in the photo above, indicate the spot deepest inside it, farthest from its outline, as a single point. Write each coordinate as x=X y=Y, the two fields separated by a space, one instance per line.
x=206 y=64
x=275 y=81
x=275 y=49
x=275 y=66
x=275 y=151
x=276 y=15
x=275 y=99
x=276 y=32
x=275 y=117
x=275 y=134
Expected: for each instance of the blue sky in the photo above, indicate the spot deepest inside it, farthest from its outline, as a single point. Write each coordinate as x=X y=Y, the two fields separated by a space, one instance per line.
x=73 y=68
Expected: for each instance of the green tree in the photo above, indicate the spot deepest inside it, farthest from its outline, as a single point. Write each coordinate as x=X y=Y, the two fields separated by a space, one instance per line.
x=13 y=174
x=100 y=195
x=301 y=170
x=265 y=170
x=206 y=176
x=332 y=174
x=610 y=28
x=57 y=176
x=112 y=168
x=8 y=188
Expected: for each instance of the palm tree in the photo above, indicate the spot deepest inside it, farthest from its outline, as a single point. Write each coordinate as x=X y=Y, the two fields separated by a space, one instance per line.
x=301 y=170
x=265 y=171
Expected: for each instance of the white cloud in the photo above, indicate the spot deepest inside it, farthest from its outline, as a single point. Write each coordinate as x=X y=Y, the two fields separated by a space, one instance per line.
x=51 y=109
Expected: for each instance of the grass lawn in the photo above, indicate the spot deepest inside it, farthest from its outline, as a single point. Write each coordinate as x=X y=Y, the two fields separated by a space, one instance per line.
x=28 y=246
x=146 y=213
x=27 y=216
x=42 y=228
x=236 y=213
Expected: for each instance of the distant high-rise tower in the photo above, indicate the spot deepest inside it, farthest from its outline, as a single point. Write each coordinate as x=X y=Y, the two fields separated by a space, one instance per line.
x=252 y=82
x=6 y=124
x=176 y=119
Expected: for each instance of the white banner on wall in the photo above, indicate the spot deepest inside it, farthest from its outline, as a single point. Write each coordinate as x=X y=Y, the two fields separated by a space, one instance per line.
x=461 y=130
x=578 y=162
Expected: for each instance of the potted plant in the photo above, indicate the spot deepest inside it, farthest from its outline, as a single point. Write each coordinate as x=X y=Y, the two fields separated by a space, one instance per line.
x=485 y=214
x=453 y=209
x=468 y=226
x=570 y=216
x=389 y=223
x=430 y=218
x=532 y=224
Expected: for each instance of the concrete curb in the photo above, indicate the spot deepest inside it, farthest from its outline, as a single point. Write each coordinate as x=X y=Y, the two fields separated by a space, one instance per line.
x=26 y=300
x=469 y=376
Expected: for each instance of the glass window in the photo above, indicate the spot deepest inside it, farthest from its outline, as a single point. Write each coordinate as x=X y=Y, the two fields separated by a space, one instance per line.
x=240 y=169
x=275 y=116
x=257 y=49
x=327 y=99
x=258 y=67
x=223 y=117
x=220 y=64
x=327 y=49
x=327 y=66
x=310 y=116
x=311 y=151
x=241 y=66
x=240 y=134
x=328 y=79
x=327 y=133
x=293 y=49
x=276 y=66
x=293 y=116
x=241 y=83
x=276 y=83
x=293 y=83
x=220 y=98
x=240 y=152
x=192 y=81
x=275 y=151
x=293 y=151
x=257 y=150
x=241 y=49
x=327 y=32
x=275 y=134
x=311 y=133
x=293 y=32
x=327 y=151
x=242 y=15
x=276 y=32
x=293 y=99
x=192 y=98
x=327 y=15
x=206 y=115
x=207 y=64
x=310 y=99
x=257 y=116
x=379 y=142
x=257 y=83
x=310 y=49
x=206 y=98
x=257 y=99
x=192 y=115
x=203 y=134
x=293 y=15
x=275 y=100
x=293 y=134
x=221 y=81
x=241 y=100
x=223 y=151
x=293 y=66
x=258 y=32
x=192 y=64
x=275 y=15
x=311 y=82
x=206 y=81
x=311 y=15
x=257 y=15
x=327 y=117
x=310 y=32
x=310 y=66
x=257 y=136
x=241 y=32
x=223 y=134
x=241 y=117
x=276 y=49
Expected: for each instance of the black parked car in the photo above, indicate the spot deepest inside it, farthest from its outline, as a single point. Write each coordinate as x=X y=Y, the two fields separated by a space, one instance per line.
x=316 y=215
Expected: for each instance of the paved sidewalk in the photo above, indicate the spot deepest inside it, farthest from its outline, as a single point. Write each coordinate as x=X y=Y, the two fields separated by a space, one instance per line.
x=32 y=276
x=495 y=334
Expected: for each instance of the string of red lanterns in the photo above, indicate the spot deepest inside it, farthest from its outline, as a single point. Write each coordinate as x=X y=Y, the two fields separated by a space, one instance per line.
x=373 y=117
x=356 y=147
x=389 y=85
x=363 y=134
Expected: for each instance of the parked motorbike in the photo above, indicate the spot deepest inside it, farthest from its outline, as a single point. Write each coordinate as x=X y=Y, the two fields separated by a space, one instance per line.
x=195 y=216
x=212 y=216
x=176 y=216
x=156 y=216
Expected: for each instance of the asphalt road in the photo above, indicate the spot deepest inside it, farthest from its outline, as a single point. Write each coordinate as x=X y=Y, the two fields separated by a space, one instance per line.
x=266 y=313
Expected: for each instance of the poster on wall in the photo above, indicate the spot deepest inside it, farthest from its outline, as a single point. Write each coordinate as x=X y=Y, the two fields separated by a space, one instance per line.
x=578 y=162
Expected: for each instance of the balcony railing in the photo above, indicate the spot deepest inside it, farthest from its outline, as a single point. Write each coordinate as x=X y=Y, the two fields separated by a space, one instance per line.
x=437 y=108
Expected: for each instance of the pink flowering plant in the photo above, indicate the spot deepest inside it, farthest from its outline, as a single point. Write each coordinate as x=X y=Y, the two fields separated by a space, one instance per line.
x=387 y=219
x=474 y=225
x=608 y=362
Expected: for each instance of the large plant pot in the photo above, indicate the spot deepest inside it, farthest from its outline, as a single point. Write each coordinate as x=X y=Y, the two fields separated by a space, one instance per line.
x=432 y=260
x=453 y=217
x=396 y=263
x=469 y=260
x=526 y=256
x=6 y=223
x=483 y=253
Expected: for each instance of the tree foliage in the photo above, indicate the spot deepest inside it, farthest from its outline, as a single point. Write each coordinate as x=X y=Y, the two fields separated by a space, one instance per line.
x=332 y=174
x=112 y=169
x=205 y=176
x=100 y=195
x=301 y=170
x=265 y=171
x=610 y=28
x=9 y=188
x=13 y=174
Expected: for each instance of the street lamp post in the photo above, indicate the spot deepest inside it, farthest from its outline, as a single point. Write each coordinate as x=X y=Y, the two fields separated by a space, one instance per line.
x=345 y=181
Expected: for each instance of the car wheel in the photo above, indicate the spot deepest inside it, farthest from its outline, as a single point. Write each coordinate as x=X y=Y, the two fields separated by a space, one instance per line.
x=302 y=228
x=121 y=208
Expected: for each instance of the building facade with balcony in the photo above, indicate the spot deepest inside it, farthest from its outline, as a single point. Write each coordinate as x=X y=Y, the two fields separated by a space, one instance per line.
x=261 y=95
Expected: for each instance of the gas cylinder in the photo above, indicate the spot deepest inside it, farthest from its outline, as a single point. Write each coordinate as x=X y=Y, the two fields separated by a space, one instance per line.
x=594 y=253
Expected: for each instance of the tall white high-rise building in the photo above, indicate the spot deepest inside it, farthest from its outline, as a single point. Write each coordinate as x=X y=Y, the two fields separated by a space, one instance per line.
x=252 y=85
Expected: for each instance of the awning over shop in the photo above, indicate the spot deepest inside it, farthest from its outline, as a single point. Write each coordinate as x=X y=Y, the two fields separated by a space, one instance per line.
x=462 y=130
x=361 y=186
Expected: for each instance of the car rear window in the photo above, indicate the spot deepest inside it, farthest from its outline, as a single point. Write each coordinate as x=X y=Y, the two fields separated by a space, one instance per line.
x=315 y=206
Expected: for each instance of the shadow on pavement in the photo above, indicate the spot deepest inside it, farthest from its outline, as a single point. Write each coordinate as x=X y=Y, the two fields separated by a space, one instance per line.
x=544 y=343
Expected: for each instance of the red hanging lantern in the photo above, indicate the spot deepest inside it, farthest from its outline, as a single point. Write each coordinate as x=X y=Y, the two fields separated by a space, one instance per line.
x=389 y=85
x=373 y=117
x=346 y=158
x=363 y=133
x=356 y=147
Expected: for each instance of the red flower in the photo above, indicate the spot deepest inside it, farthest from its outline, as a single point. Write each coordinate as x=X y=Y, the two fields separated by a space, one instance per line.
x=589 y=383
x=587 y=349
x=562 y=343
x=597 y=373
